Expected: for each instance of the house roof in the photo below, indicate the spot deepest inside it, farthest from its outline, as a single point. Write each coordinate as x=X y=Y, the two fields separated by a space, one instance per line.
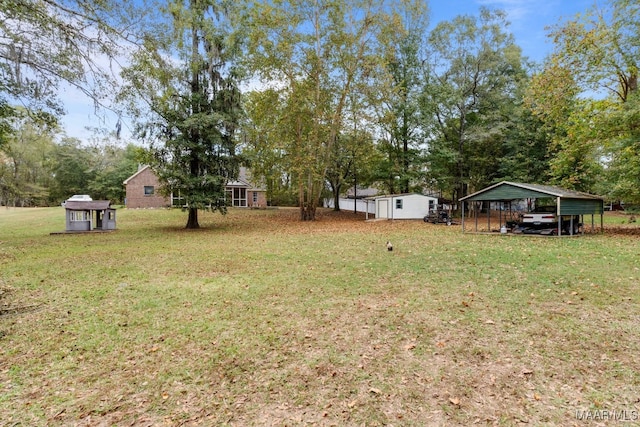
x=362 y=192
x=505 y=190
x=140 y=170
x=242 y=181
x=95 y=205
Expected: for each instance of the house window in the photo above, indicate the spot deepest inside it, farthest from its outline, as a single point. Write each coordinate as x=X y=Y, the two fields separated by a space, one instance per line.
x=148 y=190
x=398 y=203
x=240 y=197
x=79 y=216
x=255 y=197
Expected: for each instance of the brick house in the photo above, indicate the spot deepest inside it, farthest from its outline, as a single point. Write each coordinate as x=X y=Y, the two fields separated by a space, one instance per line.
x=142 y=191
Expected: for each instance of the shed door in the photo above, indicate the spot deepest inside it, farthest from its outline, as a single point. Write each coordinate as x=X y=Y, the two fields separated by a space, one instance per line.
x=383 y=209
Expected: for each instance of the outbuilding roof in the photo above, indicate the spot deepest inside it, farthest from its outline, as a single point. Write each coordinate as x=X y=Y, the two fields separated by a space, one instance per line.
x=505 y=191
x=393 y=196
x=95 y=205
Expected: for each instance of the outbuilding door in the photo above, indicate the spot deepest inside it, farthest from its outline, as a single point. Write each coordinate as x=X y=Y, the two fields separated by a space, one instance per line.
x=383 y=209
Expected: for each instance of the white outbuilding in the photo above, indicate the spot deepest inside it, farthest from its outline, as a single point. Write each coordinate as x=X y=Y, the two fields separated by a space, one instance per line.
x=403 y=206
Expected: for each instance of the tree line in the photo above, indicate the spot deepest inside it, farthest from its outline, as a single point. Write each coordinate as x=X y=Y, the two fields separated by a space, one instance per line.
x=321 y=95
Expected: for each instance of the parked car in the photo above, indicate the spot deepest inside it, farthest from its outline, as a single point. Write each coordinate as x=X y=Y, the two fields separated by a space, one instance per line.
x=78 y=198
x=540 y=215
x=544 y=218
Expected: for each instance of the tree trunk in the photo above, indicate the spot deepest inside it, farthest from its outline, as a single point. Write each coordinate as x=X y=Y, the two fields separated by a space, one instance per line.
x=192 y=222
x=308 y=212
x=336 y=198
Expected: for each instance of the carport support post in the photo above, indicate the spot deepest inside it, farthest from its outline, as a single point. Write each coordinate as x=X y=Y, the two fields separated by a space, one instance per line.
x=475 y=214
x=558 y=210
x=559 y=225
x=489 y=217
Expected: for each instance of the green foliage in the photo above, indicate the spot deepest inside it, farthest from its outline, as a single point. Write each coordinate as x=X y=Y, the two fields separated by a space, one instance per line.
x=116 y=165
x=47 y=43
x=316 y=53
x=474 y=74
x=598 y=51
x=72 y=167
x=395 y=99
x=623 y=152
x=193 y=104
x=571 y=125
x=527 y=149
x=6 y=112
x=602 y=48
x=25 y=176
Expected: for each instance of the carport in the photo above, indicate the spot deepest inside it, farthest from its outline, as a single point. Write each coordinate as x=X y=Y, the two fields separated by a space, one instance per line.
x=568 y=202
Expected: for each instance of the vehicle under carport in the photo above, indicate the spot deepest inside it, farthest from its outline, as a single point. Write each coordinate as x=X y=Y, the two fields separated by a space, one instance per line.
x=568 y=203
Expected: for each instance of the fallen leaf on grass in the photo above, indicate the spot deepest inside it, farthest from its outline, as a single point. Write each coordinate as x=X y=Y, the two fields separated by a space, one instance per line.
x=374 y=390
x=454 y=401
x=410 y=346
x=490 y=322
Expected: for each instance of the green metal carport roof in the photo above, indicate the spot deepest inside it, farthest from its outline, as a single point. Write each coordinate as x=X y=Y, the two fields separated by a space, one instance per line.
x=568 y=202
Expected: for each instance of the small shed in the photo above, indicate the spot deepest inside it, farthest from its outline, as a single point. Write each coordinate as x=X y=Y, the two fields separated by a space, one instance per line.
x=94 y=215
x=403 y=206
x=567 y=202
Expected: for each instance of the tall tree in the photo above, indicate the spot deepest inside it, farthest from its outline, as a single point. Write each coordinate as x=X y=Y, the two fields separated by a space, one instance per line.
x=352 y=163
x=265 y=134
x=601 y=47
x=72 y=167
x=186 y=76
x=552 y=97
x=623 y=151
x=473 y=74
x=24 y=161
x=314 y=51
x=395 y=96
x=601 y=50
x=114 y=164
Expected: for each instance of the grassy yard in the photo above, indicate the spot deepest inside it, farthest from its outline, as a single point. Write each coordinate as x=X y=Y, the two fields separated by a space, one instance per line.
x=258 y=319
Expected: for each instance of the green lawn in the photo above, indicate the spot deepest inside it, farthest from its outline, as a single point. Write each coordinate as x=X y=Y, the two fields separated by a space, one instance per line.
x=258 y=319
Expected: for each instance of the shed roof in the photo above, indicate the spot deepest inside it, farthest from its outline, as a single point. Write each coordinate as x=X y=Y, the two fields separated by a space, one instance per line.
x=506 y=190
x=95 y=205
x=392 y=196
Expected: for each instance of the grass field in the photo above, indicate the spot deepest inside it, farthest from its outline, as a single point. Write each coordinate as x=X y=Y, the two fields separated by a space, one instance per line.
x=258 y=319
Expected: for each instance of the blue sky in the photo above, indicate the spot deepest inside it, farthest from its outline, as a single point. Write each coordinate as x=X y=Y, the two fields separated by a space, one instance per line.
x=528 y=20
